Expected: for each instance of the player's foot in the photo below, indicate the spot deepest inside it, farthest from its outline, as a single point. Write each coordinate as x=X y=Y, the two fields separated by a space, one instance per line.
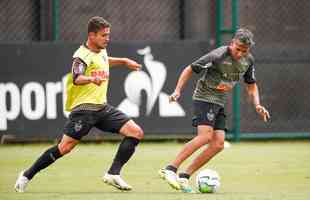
x=170 y=177
x=21 y=182
x=185 y=186
x=116 y=181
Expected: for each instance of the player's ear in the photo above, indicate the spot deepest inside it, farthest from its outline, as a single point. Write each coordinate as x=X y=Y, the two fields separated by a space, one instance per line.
x=232 y=42
x=91 y=35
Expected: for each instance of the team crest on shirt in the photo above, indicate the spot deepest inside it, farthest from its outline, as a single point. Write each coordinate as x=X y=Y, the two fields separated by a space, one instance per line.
x=210 y=115
x=227 y=63
x=104 y=58
x=78 y=126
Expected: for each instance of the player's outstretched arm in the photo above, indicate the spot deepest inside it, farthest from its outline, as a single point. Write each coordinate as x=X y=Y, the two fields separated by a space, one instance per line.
x=184 y=77
x=253 y=93
x=131 y=64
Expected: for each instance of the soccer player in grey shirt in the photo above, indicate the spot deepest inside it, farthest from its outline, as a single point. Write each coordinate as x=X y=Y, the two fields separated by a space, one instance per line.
x=221 y=69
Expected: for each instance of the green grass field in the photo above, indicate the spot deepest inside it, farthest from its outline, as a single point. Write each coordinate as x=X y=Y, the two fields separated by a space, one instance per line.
x=248 y=170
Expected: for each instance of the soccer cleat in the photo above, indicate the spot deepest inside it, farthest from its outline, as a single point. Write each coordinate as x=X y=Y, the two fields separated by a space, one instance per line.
x=184 y=185
x=161 y=173
x=116 y=181
x=170 y=177
x=21 y=182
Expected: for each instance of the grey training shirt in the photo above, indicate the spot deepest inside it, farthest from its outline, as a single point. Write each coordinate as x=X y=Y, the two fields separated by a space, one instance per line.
x=220 y=73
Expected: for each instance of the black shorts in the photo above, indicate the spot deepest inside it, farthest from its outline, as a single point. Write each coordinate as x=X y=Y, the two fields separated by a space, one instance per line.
x=108 y=119
x=205 y=113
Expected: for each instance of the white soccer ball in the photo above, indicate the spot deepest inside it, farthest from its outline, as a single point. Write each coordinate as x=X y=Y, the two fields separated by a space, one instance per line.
x=208 y=181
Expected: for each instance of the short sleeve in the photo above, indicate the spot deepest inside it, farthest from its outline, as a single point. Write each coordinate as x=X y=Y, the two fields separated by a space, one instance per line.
x=249 y=76
x=209 y=59
x=203 y=63
x=78 y=68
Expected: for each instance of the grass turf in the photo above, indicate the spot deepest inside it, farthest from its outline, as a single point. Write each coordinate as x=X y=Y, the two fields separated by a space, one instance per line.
x=248 y=170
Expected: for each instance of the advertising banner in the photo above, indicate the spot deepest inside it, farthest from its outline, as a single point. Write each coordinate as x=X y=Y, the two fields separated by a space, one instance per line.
x=32 y=92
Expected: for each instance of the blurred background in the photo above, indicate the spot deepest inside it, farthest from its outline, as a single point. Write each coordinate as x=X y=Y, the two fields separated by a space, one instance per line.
x=38 y=38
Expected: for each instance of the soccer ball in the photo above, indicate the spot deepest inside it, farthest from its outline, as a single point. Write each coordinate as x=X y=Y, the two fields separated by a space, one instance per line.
x=208 y=181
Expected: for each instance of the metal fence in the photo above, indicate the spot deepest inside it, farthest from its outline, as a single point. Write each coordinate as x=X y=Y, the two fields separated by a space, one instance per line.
x=133 y=20
x=19 y=20
x=284 y=23
x=282 y=54
x=66 y=20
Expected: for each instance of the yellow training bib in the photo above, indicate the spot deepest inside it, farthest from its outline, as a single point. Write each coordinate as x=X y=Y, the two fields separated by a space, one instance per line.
x=97 y=65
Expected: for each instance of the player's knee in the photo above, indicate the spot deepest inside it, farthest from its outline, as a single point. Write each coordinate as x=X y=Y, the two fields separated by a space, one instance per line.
x=131 y=129
x=205 y=138
x=218 y=146
x=138 y=132
x=208 y=138
x=65 y=148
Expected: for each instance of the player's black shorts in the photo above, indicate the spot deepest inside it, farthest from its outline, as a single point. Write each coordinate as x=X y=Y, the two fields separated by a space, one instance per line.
x=108 y=119
x=205 y=113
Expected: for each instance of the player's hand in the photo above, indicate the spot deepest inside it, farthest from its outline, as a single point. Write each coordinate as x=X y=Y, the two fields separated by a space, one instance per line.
x=96 y=80
x=174 y=96
x=131 y=64
x=262 y=111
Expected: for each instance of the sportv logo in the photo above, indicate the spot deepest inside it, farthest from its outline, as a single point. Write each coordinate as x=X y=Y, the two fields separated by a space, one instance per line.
x=137 y=81
x=21 y=101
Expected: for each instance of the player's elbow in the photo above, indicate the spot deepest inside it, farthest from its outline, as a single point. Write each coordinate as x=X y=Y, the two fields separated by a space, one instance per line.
x=251 y=87
x=187 y=72
x=75 y=80
x=189 y=69
x=79 y=81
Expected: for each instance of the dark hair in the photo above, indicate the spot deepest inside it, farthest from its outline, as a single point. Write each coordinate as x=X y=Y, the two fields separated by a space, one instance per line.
x=244 y=36
x=96 y=23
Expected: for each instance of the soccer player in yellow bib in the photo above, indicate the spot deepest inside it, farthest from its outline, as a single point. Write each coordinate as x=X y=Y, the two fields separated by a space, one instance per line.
x=87 y=101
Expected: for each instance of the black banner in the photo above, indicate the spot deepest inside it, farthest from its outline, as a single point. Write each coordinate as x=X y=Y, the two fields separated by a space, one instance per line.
x=33 y=77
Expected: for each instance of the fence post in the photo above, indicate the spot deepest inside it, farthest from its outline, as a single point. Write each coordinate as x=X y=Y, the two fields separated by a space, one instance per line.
x=56 y=29
x=220 y=30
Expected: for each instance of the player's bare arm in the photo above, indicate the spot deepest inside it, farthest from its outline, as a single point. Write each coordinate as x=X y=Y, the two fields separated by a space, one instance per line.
x=83 y=80
x=253 y=93
x=131 y=64
x=184 y=77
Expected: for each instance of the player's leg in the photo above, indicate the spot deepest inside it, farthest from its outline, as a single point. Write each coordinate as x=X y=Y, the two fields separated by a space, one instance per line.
x=204 y=119
x=215 y=146
x=77 y=126
x=115 y=121
x=133 y=134
x=204 y=135
x=46 y=159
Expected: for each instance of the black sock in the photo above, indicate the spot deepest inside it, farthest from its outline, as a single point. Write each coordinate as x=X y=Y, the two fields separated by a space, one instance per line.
x=124 y=152
x=172 y=168
x=47 y=158
x=184 y=175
